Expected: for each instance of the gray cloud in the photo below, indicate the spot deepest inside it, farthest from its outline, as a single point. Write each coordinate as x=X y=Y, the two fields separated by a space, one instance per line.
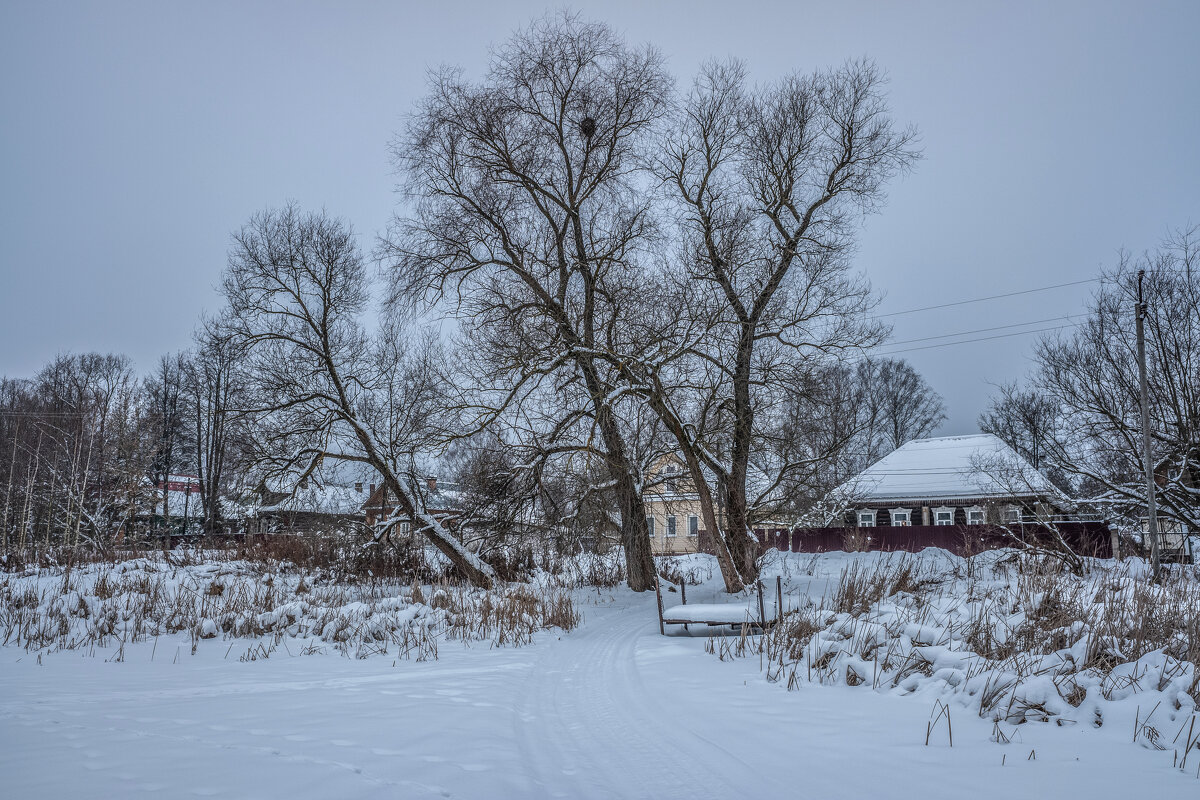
x=135 y=137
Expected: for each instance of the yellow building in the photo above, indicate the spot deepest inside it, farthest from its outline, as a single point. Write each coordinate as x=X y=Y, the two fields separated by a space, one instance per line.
x=672 y=509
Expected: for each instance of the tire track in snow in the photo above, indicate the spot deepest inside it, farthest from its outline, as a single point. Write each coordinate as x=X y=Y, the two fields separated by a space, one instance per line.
x=588 y=725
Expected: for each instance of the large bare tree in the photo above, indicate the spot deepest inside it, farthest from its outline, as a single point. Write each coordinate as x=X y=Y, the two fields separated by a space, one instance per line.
x=769 y=186
x=529 y=212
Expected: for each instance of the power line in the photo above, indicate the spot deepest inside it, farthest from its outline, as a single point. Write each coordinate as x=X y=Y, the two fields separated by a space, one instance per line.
x=984 y=330
x=990 y=297
x=980 y=339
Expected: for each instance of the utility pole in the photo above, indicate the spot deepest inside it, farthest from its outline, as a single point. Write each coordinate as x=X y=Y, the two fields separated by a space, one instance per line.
x=1151 y=519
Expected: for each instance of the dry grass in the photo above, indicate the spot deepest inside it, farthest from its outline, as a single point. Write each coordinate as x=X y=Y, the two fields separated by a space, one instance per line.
x=268 y=605
x=1021 y=639
x=863 y=586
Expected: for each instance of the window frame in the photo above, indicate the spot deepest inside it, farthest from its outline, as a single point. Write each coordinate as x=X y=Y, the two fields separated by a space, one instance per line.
x=867 y=512
x=650 y=524
x=693 y=523
x=672 y=526
x=906 y=513
x=937 y=514
x=977 y=511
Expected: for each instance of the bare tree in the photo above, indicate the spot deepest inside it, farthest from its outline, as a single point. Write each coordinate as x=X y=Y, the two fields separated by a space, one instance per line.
x=1092 y=376
x=530 y=213
x=1025 y=419
x=1038 y=528
x=323 y=389
x=78 y=455
x=901 y=405
x=165 y=415
x=214 y=389
x=769 y=186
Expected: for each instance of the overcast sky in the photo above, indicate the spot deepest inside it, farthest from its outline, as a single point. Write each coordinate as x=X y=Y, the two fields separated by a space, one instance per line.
x=135 y=137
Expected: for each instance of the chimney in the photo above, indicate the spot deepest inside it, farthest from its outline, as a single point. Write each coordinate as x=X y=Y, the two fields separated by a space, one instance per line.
x=431 y=482
x=358 y=486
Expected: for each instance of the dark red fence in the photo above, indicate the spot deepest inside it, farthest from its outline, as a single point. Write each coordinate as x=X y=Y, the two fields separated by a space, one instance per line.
x=1086 y=538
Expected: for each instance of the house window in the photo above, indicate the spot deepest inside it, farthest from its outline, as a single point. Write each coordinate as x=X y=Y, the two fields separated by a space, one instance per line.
x=650 y=524
x=975 y=516
x=866 y=518
x=672 y=473
x=1012 y=514
x=405 y=528
x=943 y=516
x=671 y=525
x=693 y=526
x=902 y=517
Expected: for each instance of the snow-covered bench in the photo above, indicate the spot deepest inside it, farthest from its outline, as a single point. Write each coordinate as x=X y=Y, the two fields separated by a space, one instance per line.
x=755 y=612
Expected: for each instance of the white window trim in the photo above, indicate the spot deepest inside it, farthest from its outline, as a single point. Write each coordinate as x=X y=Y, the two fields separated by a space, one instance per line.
x=907 y=512
x=867 y=513
x=977 y=510
x=943 y=510
x=1012 y=514
x=672 y=526
x=693 y=525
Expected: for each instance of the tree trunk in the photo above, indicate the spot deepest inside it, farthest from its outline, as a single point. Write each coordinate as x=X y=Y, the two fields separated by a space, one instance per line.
x=725 y=560
x=743 y=547
x=635 y=530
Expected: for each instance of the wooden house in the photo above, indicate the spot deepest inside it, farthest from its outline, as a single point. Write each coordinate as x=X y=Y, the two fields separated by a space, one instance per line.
x=440 y=501
x=950 y=480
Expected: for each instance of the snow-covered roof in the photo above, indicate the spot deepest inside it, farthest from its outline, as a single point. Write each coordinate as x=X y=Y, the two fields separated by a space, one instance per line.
x=948 y=468
x=181 y=503
x=325 y=499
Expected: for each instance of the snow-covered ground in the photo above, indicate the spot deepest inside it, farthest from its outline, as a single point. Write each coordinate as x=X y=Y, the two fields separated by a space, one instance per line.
x=610 y=709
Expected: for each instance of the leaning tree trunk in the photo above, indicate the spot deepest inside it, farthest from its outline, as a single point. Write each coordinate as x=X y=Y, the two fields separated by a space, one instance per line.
x=477 y=571
x=635 y=535
x=635 y=530
x=725 y=560
x=729 y=571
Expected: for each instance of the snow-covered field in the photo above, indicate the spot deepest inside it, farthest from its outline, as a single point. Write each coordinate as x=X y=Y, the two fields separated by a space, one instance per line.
x=609 y=709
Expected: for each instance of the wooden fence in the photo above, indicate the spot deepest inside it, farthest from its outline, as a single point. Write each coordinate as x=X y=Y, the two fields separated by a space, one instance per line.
x=1085 y=538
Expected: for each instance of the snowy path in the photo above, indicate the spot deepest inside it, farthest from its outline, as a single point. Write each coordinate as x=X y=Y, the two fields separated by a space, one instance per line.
x=590 y=711
x=610 y=710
